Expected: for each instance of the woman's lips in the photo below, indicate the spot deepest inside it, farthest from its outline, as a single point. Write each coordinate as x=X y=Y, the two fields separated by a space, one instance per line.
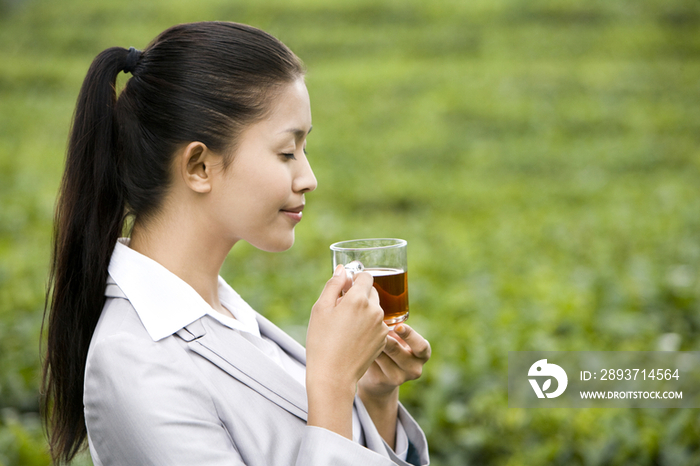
x=294 y=213
x=296 y=216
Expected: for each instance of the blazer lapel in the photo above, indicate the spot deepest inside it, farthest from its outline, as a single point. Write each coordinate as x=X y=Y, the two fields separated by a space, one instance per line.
x=237 y=356
x=287 y=343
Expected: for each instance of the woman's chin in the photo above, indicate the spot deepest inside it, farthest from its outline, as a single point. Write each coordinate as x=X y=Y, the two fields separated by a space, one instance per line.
x=278 y=245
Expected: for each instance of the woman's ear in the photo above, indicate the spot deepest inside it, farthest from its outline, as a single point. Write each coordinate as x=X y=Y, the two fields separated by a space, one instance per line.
x=196 y=166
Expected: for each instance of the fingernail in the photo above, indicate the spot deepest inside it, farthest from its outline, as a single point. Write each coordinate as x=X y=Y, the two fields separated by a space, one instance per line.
x=400 y=329
x=338 y=270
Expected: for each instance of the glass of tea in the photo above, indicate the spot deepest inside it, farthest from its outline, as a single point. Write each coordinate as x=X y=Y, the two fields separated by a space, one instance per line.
x=385 y=260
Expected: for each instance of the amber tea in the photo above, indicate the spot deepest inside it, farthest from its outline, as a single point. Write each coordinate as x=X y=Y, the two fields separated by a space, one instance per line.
x=392 y=287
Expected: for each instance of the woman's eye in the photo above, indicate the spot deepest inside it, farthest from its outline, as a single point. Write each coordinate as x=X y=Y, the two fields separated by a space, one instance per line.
x=289 y=156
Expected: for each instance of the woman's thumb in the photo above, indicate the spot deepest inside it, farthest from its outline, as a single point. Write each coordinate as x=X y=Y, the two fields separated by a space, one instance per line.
x=333 y=287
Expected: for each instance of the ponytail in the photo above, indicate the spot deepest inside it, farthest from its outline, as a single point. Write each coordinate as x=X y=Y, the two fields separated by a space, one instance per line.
x=88 y=220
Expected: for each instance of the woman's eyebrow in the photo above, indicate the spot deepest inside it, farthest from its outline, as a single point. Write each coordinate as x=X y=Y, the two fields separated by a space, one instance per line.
x=298 y=133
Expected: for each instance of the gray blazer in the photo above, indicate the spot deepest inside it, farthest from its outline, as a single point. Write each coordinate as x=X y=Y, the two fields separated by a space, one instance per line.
x=207 y=396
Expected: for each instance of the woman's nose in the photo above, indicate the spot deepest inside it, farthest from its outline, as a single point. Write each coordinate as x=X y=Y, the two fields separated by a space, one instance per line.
x=305 y=181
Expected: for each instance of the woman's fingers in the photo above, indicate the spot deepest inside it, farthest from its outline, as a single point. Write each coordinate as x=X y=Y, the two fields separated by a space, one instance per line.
x=332 y=290
x=374 y=298
x=351 y=325
x=395 y=365
x=362 y=284
x=394 y=375
x=403 y=358
x=404 y=355
x=404 y=363
x=420 y=347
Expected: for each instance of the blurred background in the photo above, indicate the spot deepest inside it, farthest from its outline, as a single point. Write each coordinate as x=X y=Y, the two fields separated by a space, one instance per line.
x=542 y=158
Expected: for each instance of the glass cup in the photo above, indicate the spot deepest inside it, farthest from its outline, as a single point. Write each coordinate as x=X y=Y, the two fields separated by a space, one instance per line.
x=385 y=260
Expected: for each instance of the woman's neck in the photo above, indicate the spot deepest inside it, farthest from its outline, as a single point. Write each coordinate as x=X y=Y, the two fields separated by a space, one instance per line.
x=184 y=249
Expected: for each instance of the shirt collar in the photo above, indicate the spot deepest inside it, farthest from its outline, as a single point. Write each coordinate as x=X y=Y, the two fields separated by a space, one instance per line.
x=164 y=302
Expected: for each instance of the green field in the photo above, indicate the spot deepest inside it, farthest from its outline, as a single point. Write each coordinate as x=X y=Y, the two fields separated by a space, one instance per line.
x=542 y=158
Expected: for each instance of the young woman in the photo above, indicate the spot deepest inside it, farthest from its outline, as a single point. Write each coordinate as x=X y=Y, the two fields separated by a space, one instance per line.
x=151 y=356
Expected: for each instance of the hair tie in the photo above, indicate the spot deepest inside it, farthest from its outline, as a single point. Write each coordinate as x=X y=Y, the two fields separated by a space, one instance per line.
x=131 y=59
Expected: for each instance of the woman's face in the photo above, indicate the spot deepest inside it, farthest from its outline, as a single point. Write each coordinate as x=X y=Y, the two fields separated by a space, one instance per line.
x=259 y=197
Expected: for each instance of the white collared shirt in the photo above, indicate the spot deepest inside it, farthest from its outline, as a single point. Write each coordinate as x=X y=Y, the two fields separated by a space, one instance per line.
x=151 y=288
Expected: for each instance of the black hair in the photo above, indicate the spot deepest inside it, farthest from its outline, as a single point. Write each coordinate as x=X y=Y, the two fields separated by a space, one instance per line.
x=195 y=82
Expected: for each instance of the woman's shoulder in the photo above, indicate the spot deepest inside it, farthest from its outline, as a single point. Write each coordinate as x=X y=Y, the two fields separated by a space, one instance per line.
x=120 y=337
x=119 y=321
x=134 y=387
x=121 y=350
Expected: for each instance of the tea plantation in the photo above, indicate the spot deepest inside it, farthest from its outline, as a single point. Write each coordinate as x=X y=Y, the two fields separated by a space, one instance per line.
x=541 y=157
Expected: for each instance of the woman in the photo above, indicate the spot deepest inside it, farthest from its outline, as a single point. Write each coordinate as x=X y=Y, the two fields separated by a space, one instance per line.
x=205 y=146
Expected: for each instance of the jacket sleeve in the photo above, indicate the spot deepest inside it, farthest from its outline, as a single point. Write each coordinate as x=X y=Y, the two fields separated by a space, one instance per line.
x=143 y=407
x=418 y=445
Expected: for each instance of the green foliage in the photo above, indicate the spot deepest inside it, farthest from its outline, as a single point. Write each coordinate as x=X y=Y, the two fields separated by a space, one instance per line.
x=541 y=157
x=21 y=440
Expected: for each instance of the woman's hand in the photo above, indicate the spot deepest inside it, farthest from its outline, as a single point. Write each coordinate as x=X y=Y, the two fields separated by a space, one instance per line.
x=344 y=338
x=404 y=355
